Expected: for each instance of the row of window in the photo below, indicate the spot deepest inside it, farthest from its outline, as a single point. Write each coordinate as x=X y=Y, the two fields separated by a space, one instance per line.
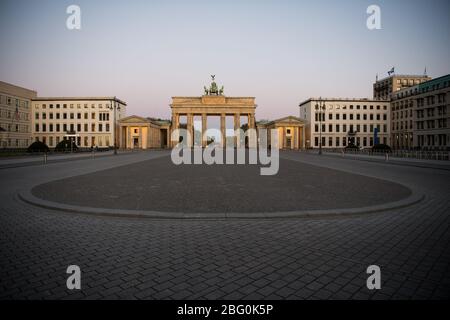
x=99 y=141
x=70 y=127
x=357 y=107
x=71 y=105
x=337 y=128
x=432 y=124
x=402 y=125
x=400 y=114
x=101 y=116
x=432 y=140
x=15 y=143
x=13 y=101
x=15 y=115
x=343 y=141
x=351 y=116
x=8 y=127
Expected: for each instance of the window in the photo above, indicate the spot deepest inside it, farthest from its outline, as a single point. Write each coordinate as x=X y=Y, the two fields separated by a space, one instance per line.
x=78 y=115
x=36 y=128
x=93 y=115
x=71 y=115
x=36 y=115
x=44 y=115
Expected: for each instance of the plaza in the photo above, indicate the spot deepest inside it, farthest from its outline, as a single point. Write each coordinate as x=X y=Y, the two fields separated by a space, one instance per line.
x=192 y=250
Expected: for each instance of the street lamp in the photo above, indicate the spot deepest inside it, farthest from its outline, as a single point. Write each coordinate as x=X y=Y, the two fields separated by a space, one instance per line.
x=113 y=107
x=320 y=106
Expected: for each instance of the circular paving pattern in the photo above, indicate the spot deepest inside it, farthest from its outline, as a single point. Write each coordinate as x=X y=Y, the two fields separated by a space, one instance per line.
x=159 y=185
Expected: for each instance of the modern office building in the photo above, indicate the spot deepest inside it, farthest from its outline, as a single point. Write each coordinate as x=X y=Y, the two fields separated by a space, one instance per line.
x=15 y=109
x=384 y=88
x=336 y=123
x=89 y=121
x=420 y=118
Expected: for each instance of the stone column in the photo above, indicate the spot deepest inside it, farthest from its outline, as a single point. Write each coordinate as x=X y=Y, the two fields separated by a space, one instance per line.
x=251 y=121
x=168 y=144
x=204 y=127
x=237 y=125
x=175 y=125
x=223 y=130
x=303 y=137
x=283 y=138
x=296 y=132
x=129 y=144
x=120 y=137
x=190 y=137
x=140 y=138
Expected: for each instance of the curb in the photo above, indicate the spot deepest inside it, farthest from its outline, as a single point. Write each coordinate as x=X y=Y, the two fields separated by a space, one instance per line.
x=29 y=198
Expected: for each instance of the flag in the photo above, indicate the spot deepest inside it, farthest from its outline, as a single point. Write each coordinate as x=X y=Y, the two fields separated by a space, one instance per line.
x=391 y=71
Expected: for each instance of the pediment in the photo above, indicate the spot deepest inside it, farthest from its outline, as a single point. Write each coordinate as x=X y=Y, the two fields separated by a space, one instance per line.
x=134 y=119
x=291 y=120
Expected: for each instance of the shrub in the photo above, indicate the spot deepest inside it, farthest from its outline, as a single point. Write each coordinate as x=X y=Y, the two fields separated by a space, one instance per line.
x=38 y=146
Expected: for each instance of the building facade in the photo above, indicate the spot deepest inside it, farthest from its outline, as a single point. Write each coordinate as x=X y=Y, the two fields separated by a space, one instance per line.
x=143 y=133
x=341 y=122
x=88 y=121
x=384 y=88
x=15 y=116
x=420 y=118
x=291 y=132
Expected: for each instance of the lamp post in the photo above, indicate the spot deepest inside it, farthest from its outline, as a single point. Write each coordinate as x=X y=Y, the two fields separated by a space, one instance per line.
x=320 y=106
x=113 y=107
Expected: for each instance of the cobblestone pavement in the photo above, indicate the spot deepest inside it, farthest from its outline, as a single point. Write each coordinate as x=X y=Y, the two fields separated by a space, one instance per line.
x=160 y=185
x=233 y=259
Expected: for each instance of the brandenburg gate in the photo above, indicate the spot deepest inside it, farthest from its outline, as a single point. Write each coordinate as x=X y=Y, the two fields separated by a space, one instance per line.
x=212 y=103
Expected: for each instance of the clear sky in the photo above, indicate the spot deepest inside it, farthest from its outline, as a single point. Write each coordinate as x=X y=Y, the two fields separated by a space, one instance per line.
x=280 y=52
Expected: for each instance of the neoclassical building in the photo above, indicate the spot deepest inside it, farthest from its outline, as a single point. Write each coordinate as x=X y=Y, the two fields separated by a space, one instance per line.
x=136 y=132
x=291 y=132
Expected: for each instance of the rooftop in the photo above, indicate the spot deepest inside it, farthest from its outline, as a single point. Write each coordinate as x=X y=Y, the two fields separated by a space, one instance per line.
x=80 y=99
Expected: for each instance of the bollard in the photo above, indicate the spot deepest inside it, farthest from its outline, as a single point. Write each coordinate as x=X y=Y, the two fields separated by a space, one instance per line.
x=45 y=157
x=386 y=156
